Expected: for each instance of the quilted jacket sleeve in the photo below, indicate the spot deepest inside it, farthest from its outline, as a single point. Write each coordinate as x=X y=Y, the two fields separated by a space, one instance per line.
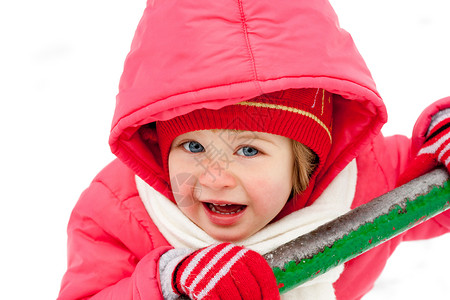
x=113 y=250
x=441 y=223
x=389 y=157
x=379 y=166
x=392 y=164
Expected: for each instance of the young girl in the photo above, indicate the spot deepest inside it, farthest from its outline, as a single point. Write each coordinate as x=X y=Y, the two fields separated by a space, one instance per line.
x=239 y=126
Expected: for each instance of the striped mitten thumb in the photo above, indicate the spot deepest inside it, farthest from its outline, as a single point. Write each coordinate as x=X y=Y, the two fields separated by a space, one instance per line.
x=435 y=150
x=223 y=271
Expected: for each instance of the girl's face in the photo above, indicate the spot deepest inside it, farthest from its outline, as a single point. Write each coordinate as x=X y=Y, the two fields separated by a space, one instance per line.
x=231 y=183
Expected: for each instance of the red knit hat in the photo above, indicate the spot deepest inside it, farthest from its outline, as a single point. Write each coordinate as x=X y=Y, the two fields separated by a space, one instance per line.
x=304 y=115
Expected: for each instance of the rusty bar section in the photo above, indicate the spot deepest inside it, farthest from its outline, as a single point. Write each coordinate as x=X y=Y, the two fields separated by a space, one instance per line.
x=360 y=230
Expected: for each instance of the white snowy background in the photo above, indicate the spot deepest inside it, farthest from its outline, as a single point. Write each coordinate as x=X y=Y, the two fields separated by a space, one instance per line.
x=60 y=63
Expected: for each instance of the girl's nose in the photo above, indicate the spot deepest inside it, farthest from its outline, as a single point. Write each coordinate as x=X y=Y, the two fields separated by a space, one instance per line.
x=216 y=175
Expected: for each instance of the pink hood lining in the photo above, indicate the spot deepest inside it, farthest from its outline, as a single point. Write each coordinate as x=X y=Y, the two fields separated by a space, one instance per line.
x=135 y=153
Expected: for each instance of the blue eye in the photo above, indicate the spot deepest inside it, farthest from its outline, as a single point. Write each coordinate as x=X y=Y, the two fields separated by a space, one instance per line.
x=193 y=146
x=247 y=151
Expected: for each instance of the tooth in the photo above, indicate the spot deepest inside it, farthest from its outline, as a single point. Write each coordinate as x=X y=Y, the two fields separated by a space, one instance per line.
x=213 y=209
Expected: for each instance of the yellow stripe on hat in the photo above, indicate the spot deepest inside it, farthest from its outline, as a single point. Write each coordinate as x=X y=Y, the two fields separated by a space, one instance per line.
x=289 y=109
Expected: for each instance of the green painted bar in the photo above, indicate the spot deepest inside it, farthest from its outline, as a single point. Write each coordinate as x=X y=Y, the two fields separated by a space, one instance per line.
x=365 y=237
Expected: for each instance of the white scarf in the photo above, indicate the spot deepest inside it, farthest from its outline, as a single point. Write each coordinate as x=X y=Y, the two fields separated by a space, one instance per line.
x=335 y=200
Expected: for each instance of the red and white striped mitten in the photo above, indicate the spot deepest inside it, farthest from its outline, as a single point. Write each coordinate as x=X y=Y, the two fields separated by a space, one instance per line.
x=223 y=271
x=435 y=150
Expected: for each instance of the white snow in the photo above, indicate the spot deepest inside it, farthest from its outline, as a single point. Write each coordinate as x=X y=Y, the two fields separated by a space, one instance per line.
x=60 y=64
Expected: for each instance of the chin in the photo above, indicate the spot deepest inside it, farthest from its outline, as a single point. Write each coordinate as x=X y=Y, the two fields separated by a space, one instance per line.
x=231 y=237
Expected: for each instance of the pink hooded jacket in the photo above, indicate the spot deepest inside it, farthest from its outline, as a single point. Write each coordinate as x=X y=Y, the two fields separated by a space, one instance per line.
x=188 y=55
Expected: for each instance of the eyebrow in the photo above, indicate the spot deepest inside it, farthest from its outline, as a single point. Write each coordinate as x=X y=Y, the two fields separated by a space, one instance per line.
x=252 y=135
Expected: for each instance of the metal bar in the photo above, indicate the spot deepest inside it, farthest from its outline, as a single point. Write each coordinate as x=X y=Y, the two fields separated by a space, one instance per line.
x=360 y=230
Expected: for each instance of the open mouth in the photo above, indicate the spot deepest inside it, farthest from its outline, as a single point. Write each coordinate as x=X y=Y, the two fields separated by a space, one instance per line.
x=225 y=209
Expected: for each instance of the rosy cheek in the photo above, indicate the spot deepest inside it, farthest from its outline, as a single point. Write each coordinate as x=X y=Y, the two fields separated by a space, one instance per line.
x=184 y=189
x=270 y=192
x=259 y=188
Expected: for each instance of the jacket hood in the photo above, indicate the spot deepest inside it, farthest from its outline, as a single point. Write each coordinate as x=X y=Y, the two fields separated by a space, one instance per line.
x=188 y=55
